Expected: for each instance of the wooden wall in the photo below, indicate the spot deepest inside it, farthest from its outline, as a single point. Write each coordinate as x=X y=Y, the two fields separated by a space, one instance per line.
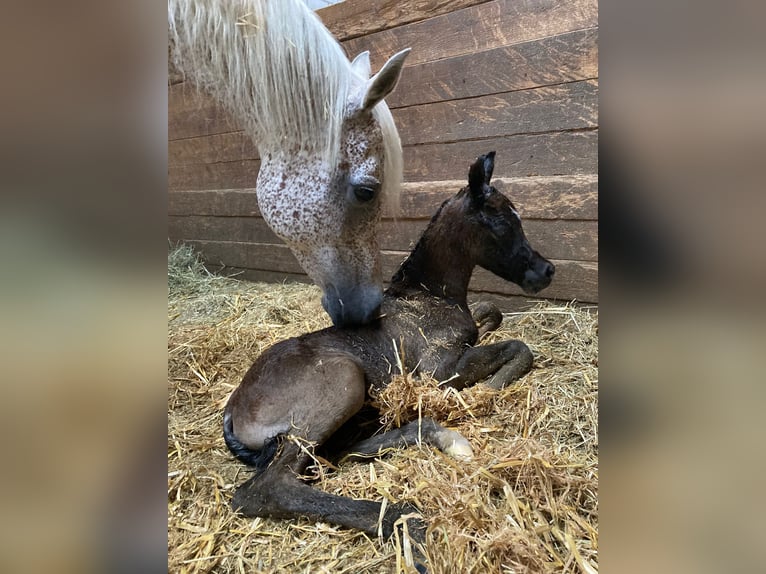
x=516 y=76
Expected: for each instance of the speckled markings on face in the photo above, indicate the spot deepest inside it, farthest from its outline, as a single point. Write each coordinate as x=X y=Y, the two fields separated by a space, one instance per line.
x=310 y=204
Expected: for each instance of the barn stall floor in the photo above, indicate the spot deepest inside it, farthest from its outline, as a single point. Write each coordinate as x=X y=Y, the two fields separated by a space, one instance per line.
x=526 y=503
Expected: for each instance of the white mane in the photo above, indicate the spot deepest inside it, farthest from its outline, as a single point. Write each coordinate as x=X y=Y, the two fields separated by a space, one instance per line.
x=272 y=64
x=279 y=73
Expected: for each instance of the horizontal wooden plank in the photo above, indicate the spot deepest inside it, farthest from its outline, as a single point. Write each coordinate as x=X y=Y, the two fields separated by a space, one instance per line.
x=193 y=113
x=559 y=239
x=550 y=61
x=574 y=279
x=540 y=63
x=203 y=227
x=564 y=153
x=224 y=147
x=561 y=153
x=218 y=202
x=544 y=197
x=477 y=28
x=558 y=108
x=223 y=175
x=353 y=18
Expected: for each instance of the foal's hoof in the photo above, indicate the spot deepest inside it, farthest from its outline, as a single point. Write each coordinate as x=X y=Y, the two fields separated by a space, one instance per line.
x=457 y=446
x=416 y=526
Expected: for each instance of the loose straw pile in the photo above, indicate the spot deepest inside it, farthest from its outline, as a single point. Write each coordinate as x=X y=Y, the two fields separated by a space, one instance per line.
x=526 y=503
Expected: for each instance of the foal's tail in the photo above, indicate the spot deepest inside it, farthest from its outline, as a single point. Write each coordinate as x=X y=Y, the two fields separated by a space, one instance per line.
x=260 y=459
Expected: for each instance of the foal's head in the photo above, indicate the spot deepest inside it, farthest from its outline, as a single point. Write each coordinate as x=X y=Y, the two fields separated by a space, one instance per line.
x=501 y=246
x=328 y=211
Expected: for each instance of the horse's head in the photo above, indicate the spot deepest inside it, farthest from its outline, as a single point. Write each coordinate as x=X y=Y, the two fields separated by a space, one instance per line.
x=502 y=246
x=328 y=212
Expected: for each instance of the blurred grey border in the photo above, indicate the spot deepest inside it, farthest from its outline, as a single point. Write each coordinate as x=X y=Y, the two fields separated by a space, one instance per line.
x=83 y=110
x=682 y=335
x=83 y=114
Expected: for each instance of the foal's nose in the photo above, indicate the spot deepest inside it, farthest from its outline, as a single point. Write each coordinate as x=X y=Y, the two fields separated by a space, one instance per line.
x=549 y=270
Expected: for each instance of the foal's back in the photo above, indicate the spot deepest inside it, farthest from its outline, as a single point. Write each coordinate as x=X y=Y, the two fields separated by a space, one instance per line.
x=415 y=331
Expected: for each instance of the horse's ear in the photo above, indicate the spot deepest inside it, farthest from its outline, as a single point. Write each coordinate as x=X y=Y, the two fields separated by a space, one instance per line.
x=385 y=80
x=480 y=173
x=489 y=166
x=361 y=64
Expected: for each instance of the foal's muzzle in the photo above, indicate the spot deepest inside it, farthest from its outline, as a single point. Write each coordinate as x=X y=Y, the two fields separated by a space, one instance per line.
x=539 y=274
x=357 y=305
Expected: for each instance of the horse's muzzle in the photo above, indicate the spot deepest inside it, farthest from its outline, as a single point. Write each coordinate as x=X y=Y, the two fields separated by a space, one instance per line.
x=355 y=306
x=538 y=276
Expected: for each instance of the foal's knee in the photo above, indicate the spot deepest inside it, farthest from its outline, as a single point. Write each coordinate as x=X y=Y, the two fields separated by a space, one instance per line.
x=487 y=316
x=518 y=362
x=522 y=355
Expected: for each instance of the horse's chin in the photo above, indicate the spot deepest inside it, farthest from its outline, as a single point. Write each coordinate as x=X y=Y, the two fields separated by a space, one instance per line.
x=530 y=287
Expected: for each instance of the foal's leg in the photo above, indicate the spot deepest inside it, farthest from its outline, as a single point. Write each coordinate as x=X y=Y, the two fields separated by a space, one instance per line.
x=426 y=429
x=487 y=317
x=315 y=403
x=278 y=493
x=505 y=362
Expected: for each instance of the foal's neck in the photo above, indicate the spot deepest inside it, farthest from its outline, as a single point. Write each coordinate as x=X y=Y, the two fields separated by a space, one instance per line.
x=441 y=263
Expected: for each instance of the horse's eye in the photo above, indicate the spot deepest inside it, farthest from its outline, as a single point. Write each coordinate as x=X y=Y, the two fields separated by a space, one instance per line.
x=363 y=193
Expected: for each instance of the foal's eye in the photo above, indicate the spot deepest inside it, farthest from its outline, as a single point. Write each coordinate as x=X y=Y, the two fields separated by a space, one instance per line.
x=364 y=193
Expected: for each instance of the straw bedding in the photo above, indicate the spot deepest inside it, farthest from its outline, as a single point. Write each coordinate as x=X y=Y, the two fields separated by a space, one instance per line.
x=526 y=503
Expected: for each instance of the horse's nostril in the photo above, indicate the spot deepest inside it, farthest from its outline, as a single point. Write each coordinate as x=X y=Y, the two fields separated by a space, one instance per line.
x=550 y=270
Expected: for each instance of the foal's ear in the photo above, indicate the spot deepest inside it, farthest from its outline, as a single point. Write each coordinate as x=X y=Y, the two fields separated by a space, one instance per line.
x=480 y=173
x=385 y=80
x=361 y=64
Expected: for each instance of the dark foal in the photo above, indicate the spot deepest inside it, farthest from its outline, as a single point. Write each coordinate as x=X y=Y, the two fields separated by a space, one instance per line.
x=307 y=387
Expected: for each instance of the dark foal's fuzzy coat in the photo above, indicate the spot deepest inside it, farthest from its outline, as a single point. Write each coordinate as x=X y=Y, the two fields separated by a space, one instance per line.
x=309 y=386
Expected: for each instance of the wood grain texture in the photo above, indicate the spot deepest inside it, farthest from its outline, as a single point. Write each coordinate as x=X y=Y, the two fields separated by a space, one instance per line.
x=354 y=18
x=560 y=239
x=232 y=146
x=555 y=60
x=574 y=279
x=477 y=28
x=550 y=61
x=544 y=197
x=216 y=202
x=223 y=175
x=558 y=108
x=515 y=76
x=561 y=153
x=193 y=113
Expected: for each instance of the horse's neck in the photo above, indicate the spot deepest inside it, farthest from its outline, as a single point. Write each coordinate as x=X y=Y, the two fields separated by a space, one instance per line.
x=440 y=264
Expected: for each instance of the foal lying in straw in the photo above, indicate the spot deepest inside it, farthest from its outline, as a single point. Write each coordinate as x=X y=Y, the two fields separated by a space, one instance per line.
x=308 y=387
